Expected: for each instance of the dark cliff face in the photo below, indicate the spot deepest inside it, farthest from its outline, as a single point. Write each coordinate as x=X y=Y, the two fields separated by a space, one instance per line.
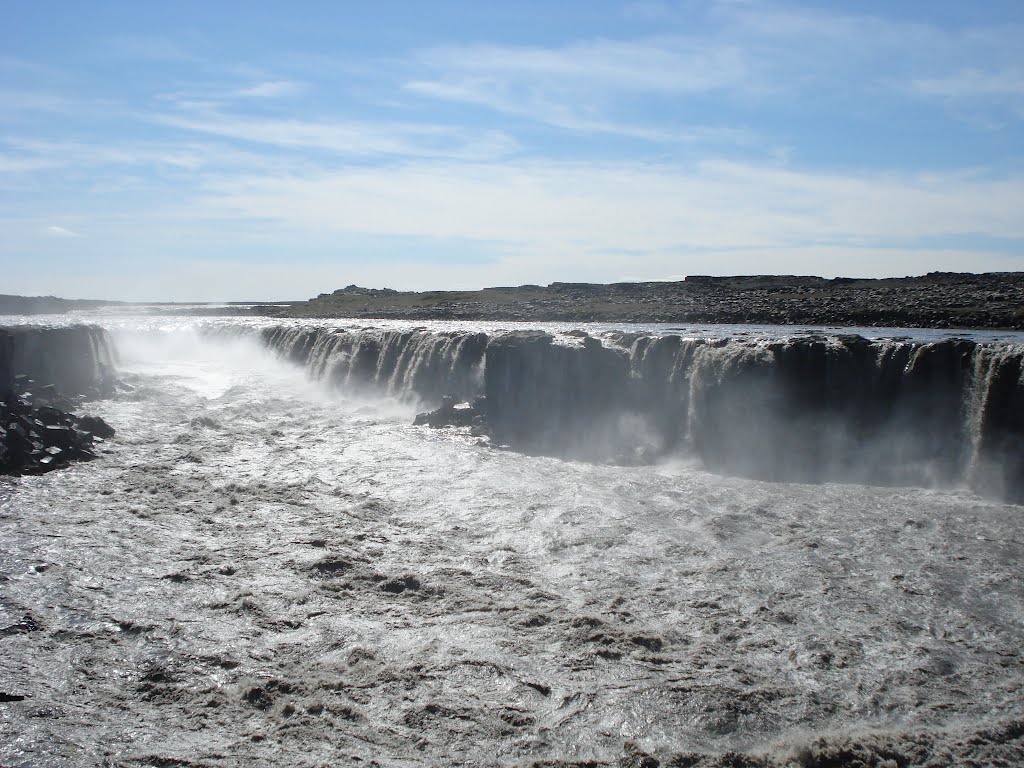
x=820 y=410
x=807 y=409
x=75 y=361
x=44 y=372
x=7 y=372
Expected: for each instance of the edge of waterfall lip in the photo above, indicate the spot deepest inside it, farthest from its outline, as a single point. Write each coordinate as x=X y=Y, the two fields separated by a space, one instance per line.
x=561 y=330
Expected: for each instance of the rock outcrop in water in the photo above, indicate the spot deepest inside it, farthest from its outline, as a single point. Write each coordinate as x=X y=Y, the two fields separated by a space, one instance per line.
x=804 y=409
x=44 y=373
x=40 y=438
x=452 y=413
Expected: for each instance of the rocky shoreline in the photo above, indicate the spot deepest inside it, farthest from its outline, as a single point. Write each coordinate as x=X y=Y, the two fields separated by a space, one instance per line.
x=936 y=300
x=36 y=437
x=45 y=374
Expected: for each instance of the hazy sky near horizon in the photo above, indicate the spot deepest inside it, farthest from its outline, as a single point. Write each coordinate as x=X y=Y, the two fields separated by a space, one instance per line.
x=222 y=150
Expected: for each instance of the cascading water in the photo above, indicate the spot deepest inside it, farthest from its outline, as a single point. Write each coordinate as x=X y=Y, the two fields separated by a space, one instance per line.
x=271 y=565
x=799 y=409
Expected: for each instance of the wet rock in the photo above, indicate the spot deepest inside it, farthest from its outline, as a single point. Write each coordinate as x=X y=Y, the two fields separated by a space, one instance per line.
x=634 y=757
x=23 y=626
x=204 y=421
x=96 y=426
x=332 y=568
x=44 y=373
x=454 y=412
x=401 y=584
x=40 y=438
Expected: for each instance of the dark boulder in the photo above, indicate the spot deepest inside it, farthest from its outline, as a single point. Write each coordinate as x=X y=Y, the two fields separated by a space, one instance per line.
x=95 y=426
x=455 y=413
x=36 y=439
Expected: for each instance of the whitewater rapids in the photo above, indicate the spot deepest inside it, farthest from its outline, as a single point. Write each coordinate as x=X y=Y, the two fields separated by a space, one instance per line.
x=265 y=570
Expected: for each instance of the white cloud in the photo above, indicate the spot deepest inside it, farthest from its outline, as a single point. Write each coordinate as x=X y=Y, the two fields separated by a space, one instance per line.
x=574 y=86
x=670 y=64
x=271 y=89
x=745 y=51
x=348 y=138
x=972 y=83
x=578 y=216
x=55 y=231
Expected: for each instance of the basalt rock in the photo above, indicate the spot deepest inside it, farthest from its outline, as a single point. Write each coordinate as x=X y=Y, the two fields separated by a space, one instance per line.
x=44 y=374
x=39 y=439
x=456 y=413
x=57 y=365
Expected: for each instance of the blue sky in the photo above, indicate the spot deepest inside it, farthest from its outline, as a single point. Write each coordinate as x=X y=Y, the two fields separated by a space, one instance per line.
x=231 y=151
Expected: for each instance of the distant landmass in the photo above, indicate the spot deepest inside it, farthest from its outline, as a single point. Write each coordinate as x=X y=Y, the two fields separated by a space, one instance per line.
x=992 y=300
x=52 y=305
x=936 y=300
x=46 y=305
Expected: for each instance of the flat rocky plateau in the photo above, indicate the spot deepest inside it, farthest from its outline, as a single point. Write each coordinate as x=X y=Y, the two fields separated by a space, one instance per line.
x=935 y=300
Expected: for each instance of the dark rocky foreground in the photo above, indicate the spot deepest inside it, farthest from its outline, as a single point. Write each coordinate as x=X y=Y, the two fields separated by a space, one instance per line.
x=935 y=300
x=44 y=374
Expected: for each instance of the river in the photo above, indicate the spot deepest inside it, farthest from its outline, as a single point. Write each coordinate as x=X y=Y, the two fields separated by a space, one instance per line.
x=266 y=569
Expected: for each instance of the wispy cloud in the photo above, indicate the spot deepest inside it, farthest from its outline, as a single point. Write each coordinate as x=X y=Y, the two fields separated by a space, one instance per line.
x=271 y=89
x=672 y=64
x=55 y=231
x=973 y=87
x=676 y=136
x=19 y=101
x=799 y=47
x=974 y=83
x=741 y=52
x=36 y=153
x=576 y=86
x=565 y=208
x=147 y=48
x=344 y=138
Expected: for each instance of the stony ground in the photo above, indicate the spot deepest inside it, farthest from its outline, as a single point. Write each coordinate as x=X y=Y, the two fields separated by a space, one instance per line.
x=936 y=300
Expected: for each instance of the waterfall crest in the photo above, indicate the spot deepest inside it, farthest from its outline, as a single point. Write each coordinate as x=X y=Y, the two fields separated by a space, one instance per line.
x=807 y=409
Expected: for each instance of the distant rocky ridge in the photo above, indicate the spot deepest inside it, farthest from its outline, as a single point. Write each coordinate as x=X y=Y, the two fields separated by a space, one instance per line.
x=935 y=300
x=46 y=305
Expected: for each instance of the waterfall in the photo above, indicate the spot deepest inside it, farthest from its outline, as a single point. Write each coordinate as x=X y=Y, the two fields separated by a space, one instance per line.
x=409 y=364
x=807 y=409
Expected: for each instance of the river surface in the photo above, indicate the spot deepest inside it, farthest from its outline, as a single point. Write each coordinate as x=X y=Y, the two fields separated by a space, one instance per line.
x=262 y=571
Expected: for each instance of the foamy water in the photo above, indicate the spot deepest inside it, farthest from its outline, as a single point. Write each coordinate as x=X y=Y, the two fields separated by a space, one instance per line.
x=261 y=570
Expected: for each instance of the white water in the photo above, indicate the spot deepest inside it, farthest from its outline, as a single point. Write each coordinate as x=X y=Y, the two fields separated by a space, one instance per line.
x=259 y=571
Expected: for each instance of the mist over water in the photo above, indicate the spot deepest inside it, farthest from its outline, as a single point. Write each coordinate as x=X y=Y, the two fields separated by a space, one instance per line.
x=271 y=566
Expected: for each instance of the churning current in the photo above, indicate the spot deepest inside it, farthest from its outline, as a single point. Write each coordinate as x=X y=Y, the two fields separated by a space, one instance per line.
x=268 y=568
